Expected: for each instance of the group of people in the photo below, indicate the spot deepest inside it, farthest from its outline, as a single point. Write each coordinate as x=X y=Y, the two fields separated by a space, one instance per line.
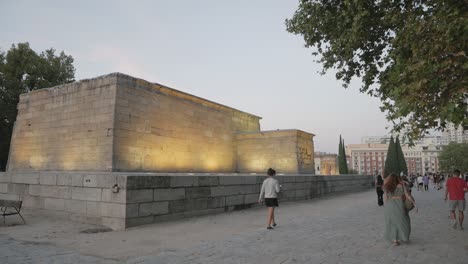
x=399 y=201
x=423 y=181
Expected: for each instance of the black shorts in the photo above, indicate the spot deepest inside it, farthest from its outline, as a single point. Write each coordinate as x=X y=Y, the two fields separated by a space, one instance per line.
x=271 y=202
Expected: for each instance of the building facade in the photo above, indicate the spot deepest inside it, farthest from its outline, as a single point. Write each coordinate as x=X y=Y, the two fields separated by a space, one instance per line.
x=370 y=158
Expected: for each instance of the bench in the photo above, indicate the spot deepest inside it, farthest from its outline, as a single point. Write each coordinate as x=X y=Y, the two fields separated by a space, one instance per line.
x=15 y=208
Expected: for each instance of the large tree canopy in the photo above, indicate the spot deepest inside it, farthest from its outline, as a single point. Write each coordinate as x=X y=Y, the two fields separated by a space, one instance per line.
x=23 y=70
x=454 y=156
x=409 y=53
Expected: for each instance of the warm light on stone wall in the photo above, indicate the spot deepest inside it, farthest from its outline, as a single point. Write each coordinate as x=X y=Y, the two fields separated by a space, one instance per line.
x=119 y=123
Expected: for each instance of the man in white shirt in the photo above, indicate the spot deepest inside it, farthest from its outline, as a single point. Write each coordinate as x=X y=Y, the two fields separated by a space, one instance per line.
x=269 y=192
x=420 y=182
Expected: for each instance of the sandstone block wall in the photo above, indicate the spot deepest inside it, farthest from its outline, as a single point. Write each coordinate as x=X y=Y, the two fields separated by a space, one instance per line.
x=160 y=129
x=120 y=123
x=68 y=127
x=288 y=151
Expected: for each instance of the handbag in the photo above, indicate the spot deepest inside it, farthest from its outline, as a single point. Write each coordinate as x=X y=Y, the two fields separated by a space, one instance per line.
x=408 y=204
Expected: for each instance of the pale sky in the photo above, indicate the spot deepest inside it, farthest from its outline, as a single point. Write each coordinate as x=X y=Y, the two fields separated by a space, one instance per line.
x=237 y=53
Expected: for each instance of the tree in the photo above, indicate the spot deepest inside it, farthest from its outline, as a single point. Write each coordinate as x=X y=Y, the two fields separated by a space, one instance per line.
x=401 y=158
x=342 y=164
x=345 y=162
x=391 y=162
x=454 y=156
x=23 y=70
x=410 y=54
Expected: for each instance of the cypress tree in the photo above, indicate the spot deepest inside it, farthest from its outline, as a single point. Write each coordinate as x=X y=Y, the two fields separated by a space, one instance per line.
x=345 y=163
x=391 y=162
x=340 y=157
x=401 y=158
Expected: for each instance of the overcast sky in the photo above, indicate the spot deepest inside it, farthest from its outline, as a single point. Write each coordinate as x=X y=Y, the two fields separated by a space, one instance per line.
x=236 y=53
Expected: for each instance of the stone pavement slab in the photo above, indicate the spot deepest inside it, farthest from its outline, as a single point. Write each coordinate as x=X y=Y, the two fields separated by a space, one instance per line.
x=346 y=228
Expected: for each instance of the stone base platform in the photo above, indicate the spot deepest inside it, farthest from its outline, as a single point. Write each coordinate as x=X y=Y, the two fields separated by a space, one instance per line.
x=121 y=200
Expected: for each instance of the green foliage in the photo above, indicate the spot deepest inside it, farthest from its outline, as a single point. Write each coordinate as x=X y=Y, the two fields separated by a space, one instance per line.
x=454 y=156
x=345 y=163
x=391 y=162
x=401 y=158
x=342 y=164
x=410 y=54
x=23 y=70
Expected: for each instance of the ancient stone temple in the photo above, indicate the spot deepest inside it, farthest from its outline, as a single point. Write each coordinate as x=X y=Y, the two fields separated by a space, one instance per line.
x=120 y=123
x=119 y=151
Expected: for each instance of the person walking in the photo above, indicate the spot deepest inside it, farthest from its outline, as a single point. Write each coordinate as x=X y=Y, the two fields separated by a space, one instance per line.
x=397 y=221
x=420 y=182
x=426 y=182
x=455 y=192
x=379 y=188
x=269 y=193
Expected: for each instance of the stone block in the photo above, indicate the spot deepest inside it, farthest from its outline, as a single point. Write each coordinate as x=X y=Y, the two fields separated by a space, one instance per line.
x=47 y=178
x=5 y=177
x=145 y=182
x=93 y=208
x=77 y=179
x=153 y=208
x=111 y=197
x=176 y=206
x=216 y=202
x=113 y=210
x=33 y=201
x=183 y=181
x=137 y=221
x=89 y=181
x=74 y=206
x=9 y=196
x=168 y=217
x=131 y=210
x=231 y=180
x=251 y=198
x=197 y=192
x=169 y=194
x=28 y=178
x=86 y=194
x=113 y=223
x=232 y=190
x=208 y=180
x=64 y=179
x=17 y=188
x=54 y=204
x=51 y=191
x=250 y=179
x=137 y=196
x=35 y=190
x=196 y=204
x=234 y=200
x=3 y=187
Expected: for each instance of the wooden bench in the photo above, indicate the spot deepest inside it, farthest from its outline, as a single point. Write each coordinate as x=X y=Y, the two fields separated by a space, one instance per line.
x=15 y=208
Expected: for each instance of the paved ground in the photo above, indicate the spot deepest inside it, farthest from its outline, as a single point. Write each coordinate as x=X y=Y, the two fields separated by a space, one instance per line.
x=341 y=229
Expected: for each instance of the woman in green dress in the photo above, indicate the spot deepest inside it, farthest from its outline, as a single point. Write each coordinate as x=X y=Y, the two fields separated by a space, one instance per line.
x=397 y=221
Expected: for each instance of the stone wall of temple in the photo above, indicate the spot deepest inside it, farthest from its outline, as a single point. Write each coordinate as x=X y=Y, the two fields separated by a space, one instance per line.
x=68 y=127
x=120 y=123
x=161 y=129
x=155 y=197
x=288 y=151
